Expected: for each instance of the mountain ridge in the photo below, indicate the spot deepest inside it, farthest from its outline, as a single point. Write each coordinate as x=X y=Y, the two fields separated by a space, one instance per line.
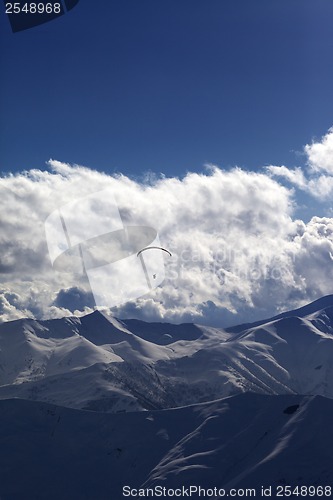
x=244 y=441
x=90 y=405
x=310 y=308
x=101 y=363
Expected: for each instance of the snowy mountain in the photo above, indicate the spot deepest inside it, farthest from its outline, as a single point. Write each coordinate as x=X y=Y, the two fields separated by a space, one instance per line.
x=312 y=308
x=245 y=441
x=100 y=363
x=250 y=407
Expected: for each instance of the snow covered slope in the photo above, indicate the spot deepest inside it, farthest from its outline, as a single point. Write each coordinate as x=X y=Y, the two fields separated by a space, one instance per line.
x=265 y=392
x=312 y=308
x=100 y=363
x=49 y=452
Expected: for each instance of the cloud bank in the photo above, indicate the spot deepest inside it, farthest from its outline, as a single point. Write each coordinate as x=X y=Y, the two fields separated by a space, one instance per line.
x=317 y=180
x=239 y=254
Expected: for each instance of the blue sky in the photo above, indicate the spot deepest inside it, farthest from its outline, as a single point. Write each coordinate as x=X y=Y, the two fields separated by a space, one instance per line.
x=168 y=86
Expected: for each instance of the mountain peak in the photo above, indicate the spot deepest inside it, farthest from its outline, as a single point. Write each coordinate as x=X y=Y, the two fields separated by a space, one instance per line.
x=318 y=305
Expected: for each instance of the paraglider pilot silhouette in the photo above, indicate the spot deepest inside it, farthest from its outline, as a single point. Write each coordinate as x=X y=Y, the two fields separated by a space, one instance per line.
x=122 y=263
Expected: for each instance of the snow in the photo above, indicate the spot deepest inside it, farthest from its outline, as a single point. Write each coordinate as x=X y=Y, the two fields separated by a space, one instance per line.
x=242 y=441
x=90 y=404
x=102 y=363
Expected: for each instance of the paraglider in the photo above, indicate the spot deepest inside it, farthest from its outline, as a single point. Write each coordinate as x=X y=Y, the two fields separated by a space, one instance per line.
x=156 y=248
x=150 y=273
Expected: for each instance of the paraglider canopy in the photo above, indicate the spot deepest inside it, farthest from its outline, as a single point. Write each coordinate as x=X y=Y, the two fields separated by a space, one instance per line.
x=156 y=248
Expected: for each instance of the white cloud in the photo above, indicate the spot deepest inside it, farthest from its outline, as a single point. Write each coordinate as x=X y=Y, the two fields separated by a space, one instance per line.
x=11 y=306
x=319 y=178
x=295 y=176
x=320 y=154
x=236 y=247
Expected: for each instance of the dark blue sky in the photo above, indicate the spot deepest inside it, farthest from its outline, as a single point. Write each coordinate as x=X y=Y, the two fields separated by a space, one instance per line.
x=167 y=85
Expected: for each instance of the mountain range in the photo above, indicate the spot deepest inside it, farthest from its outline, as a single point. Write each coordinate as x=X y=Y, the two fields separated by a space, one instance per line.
x=104 y=403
